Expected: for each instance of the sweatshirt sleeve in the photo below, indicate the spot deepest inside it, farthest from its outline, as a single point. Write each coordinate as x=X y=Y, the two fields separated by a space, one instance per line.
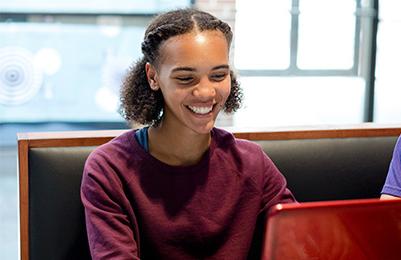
x=275 y=189
x=111 y=233
x=392 y=186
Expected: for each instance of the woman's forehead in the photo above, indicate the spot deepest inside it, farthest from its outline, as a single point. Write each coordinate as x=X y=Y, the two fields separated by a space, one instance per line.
x=195 y=47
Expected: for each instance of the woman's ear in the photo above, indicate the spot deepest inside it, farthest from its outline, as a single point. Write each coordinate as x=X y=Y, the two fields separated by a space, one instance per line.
x=151 y=76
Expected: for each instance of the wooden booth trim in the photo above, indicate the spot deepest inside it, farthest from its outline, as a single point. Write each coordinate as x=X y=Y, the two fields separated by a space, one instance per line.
x=97 y=137
x=27 y=141
x=23 y=198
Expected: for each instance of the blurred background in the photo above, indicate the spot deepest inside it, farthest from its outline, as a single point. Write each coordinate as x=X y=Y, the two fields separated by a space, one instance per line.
x=300 y=62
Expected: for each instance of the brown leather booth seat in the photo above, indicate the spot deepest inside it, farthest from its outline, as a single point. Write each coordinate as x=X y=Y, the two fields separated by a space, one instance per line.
x=319 y=164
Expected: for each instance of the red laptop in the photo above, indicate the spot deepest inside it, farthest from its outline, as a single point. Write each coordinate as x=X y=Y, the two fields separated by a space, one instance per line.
x=348 y=229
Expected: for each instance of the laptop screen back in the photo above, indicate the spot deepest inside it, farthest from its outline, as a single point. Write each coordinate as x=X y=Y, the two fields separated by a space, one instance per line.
x=349 y=229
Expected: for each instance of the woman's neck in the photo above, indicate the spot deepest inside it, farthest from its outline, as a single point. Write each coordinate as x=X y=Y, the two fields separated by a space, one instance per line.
x=178 y=147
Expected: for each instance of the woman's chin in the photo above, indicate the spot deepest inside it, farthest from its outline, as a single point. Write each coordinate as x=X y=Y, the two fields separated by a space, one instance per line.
x=204 y=129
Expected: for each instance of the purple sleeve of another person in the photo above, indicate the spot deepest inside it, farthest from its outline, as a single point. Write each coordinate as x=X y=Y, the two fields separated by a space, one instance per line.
x=392 y=186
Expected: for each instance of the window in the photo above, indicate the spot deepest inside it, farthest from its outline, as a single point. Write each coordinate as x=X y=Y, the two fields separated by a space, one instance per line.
x=267 y=45
x=326 y=42
x=91 y=6
x=304 y=61
x=65 y=62
x=297 y=37
x=388 y=82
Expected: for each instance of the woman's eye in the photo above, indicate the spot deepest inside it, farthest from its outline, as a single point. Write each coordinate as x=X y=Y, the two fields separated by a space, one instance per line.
x=219 y=77
x=184 y=79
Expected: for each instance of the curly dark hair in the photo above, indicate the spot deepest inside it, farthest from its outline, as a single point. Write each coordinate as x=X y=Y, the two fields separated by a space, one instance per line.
x=139 y=103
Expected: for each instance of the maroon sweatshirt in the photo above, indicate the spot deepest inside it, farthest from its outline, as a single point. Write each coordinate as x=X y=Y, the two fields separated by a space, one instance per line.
x=138 y=207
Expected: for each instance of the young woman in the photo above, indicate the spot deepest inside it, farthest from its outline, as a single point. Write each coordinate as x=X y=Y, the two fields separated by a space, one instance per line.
x=180 y=188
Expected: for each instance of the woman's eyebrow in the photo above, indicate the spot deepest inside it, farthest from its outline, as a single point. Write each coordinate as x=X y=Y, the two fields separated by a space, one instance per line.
x=183 y=69
x=190 y=69
x=221 y=67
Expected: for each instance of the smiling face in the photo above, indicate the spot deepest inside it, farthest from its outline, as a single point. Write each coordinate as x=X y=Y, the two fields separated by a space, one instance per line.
x=194 y=77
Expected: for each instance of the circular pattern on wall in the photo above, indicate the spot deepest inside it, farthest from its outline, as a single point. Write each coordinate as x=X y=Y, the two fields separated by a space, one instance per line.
x=20 y=78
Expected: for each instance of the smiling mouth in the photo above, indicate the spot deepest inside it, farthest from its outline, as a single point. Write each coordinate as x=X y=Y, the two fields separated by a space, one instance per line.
x=201 y=110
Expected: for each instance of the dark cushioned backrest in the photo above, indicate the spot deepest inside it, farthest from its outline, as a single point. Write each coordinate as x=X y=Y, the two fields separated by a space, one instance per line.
x=316 y=169
x=56 y=215
x=333 y=169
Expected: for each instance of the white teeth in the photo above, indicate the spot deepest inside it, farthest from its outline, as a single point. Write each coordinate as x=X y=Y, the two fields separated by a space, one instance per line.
x=201 y=110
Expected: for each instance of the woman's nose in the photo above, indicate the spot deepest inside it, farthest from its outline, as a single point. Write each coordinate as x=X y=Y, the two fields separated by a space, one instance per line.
x=205 y=89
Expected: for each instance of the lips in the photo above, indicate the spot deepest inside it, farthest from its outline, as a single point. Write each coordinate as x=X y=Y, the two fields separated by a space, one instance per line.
x=201 y=110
